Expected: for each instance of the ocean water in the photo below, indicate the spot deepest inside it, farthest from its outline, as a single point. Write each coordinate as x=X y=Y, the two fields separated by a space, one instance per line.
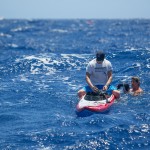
x=42 y=66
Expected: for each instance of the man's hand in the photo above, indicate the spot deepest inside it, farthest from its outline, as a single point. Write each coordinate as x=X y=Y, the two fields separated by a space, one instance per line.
x=95 y=89
x=105 y=87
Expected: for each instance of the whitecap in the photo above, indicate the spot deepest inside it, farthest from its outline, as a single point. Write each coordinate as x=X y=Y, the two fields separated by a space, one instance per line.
x=20 y=29
x=73 y=55
x=5 y=35
x=17 y=29
x=148 y=65
x=24 y=78
x=59 y=30
x=44 y=60
x=13 y=45
x=136 y=65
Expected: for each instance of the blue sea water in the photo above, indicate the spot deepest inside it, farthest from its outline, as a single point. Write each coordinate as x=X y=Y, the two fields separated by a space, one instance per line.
x=42 y=66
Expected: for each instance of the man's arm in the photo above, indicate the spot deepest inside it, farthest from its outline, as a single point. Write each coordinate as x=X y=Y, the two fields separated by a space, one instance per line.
x=95 y=89
x=88 y=80
x=109 y=74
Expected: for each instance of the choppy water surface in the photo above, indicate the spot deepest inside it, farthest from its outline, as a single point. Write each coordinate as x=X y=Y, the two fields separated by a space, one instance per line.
x=42 y=66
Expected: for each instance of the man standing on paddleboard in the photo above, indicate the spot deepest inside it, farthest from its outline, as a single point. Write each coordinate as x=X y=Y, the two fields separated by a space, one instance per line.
x=99 y=76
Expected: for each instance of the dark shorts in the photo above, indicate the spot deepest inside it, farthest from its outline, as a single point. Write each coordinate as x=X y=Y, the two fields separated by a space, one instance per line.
x=100 y=87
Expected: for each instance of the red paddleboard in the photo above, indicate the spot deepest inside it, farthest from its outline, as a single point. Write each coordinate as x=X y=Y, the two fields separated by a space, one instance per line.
x=95 y=103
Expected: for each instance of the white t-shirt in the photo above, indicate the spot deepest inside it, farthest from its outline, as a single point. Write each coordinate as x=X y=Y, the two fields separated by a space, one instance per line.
x=98 y=72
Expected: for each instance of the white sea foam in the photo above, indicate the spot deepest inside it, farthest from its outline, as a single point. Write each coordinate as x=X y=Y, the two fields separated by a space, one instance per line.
x=5 y=35
x=60 y=30
x=24 y=78
x=148 y=65
x=42 y=59
x=13 y=45
x=82 y=56
x=51 y=63
x=20 y=29
x=16 y=29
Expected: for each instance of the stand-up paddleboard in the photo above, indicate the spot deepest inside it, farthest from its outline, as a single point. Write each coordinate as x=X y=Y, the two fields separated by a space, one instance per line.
x=94 y=103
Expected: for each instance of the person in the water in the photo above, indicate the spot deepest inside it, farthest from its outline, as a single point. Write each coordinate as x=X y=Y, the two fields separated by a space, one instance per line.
x=135 y=87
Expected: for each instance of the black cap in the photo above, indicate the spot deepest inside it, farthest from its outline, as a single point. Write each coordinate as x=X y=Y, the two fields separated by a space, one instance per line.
x=100 y=55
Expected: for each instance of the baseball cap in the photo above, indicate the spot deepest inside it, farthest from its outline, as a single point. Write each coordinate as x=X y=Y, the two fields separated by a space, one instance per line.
x=100 y=55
